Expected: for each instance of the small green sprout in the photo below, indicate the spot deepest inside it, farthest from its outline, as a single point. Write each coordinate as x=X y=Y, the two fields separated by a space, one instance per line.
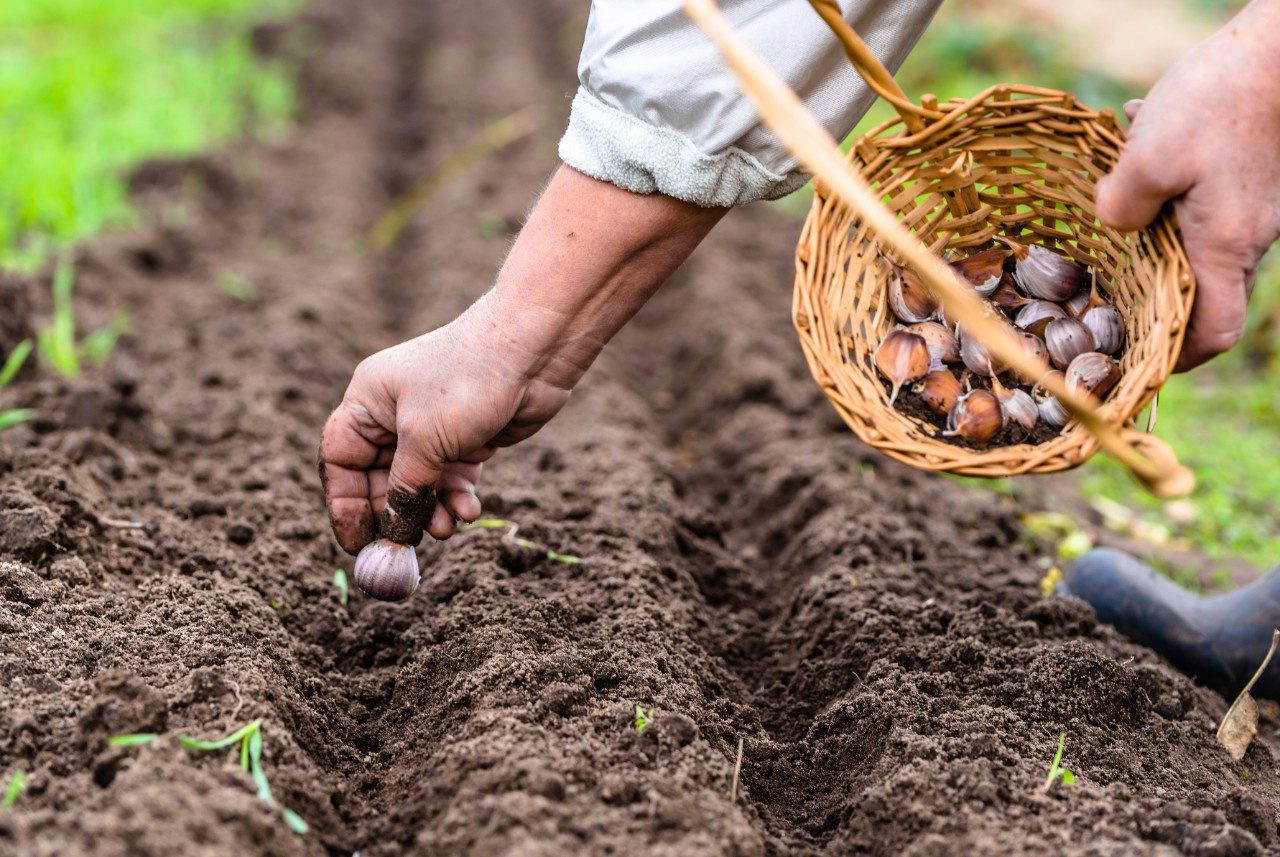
x=1056 y=770
x=249 y=737
x=56 y=343
x=643 y=718
x=513 y=528
x=340 y=581
x=236 y=286
x=14 y=790
x=12 y=364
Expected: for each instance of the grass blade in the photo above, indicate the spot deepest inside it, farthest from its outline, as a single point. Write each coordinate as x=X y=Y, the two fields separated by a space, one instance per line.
x=13 y=363
x=340 y=581
x=8 y=419
x=295 y=822
x=254 y=743
x=197 y=744
x=14 y=790
x=134 y=739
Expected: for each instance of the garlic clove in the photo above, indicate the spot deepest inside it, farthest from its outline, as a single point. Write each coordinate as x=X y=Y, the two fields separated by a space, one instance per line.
x=1035 y=316
x=1092 y=373
x=1048 y=275
x=976 y=418
x=1016 y=406
x=977 y=359
x=1106 y=326
x=939 y=390
x=1037 y=351
x=909 y=299
x=983 y=271
x=1084 y=300
x=1066 y=340
x=902 y=357
x=386 y=570
x=941 y=342
x=1052 y=412
x=1007 y=296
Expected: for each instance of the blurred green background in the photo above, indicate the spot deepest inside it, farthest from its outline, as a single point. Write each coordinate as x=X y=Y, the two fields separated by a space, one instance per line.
x=90 y=87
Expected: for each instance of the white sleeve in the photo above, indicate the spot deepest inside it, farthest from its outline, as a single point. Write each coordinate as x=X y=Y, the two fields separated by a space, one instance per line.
x=659 y=110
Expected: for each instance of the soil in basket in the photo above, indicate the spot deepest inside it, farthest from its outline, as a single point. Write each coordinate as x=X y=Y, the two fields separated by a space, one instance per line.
x=873 y=635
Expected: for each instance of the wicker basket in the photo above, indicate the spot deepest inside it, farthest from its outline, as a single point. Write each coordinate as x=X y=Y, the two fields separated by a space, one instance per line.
x=1015 y=161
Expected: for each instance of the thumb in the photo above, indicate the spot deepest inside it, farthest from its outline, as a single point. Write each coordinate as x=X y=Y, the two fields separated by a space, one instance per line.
x=1141 y=183
x=411 y=496
x=1131 y=108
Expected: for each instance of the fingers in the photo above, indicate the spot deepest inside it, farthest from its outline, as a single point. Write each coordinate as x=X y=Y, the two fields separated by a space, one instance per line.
x=346 y=454
x=1139 y=186
x=1223 y=280
x=456 y=491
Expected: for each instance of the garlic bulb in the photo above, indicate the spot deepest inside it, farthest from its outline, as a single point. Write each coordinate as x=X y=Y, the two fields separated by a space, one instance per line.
x=942 y=343
x=1107 y=327
x=1048 y=275
x=976 y=418
x=902 y=357
x=386 y=570
x=1066 y=340
x=908 y=297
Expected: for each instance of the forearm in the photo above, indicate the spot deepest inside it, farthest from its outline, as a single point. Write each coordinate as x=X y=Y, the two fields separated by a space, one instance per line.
x=587 y=260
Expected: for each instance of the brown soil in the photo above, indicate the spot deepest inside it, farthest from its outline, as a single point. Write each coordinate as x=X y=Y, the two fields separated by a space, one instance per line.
x=873 y=635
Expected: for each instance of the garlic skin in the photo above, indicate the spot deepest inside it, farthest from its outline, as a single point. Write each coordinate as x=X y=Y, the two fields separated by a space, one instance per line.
x=1035 y=316
x=976 y=418
x=1066 y=340
x=1048 y=275
x=1107 y=327
x=386 y=570
x=908 y=297
x=902 y=357
x=1093 y=374
x=942 y=343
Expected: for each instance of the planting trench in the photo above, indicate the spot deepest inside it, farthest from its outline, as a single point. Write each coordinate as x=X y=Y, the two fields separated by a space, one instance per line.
x=873 y=635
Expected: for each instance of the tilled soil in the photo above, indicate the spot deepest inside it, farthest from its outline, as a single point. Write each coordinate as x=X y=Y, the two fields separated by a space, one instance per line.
x=873 y=636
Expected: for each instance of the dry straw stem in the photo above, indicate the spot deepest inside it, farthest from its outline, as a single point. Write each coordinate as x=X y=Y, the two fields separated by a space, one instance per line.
x=494 y=137
x=737 y=773
x=1240 y=723
x=782 y=111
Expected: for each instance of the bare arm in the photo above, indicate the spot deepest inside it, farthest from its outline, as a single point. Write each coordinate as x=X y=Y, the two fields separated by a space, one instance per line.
x=1208 y=137
x=430 y=411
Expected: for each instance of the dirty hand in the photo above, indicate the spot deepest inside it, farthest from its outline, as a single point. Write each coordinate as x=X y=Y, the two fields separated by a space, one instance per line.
x=1206 y=138
x=428 y=412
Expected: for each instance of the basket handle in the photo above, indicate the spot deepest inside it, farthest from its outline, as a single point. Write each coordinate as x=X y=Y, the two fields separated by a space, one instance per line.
x=1150 y=459
x=869 y=67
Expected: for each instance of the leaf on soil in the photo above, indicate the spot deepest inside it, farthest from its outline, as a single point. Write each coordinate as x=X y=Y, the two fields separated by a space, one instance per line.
x=1240 y=724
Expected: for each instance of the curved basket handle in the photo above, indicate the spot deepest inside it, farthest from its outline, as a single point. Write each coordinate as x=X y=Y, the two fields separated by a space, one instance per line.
x=1147 y=457
x=869 y=67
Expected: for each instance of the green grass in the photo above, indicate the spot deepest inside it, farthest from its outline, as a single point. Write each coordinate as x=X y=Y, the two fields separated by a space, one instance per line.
x=89 y=88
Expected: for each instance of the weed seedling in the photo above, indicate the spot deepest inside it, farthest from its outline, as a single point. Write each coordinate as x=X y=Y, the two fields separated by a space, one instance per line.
x=512 y=528
x=12 y=364
x=14 y=790
x=56 y=343
x=643 y=718
x=1056 y=771
x=340 y=582
x=249 y=738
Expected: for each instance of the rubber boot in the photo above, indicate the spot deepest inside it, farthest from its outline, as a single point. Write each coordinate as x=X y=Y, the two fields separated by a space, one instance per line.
x=1220 y=640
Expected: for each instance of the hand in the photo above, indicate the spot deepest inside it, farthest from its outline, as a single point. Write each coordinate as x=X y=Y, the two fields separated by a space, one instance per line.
x=1207 y=137
x=428 y=412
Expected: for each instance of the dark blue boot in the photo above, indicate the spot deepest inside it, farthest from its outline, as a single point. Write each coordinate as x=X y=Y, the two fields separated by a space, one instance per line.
x=1220 y=640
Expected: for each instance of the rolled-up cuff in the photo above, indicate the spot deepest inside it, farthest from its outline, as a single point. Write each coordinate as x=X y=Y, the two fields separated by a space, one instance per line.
x=613 y=146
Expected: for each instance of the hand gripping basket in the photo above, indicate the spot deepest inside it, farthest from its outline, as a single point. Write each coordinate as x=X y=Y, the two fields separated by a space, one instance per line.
x=1014 y=161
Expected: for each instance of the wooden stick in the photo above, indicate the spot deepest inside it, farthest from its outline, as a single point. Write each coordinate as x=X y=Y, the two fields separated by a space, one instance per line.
x=787 y=117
